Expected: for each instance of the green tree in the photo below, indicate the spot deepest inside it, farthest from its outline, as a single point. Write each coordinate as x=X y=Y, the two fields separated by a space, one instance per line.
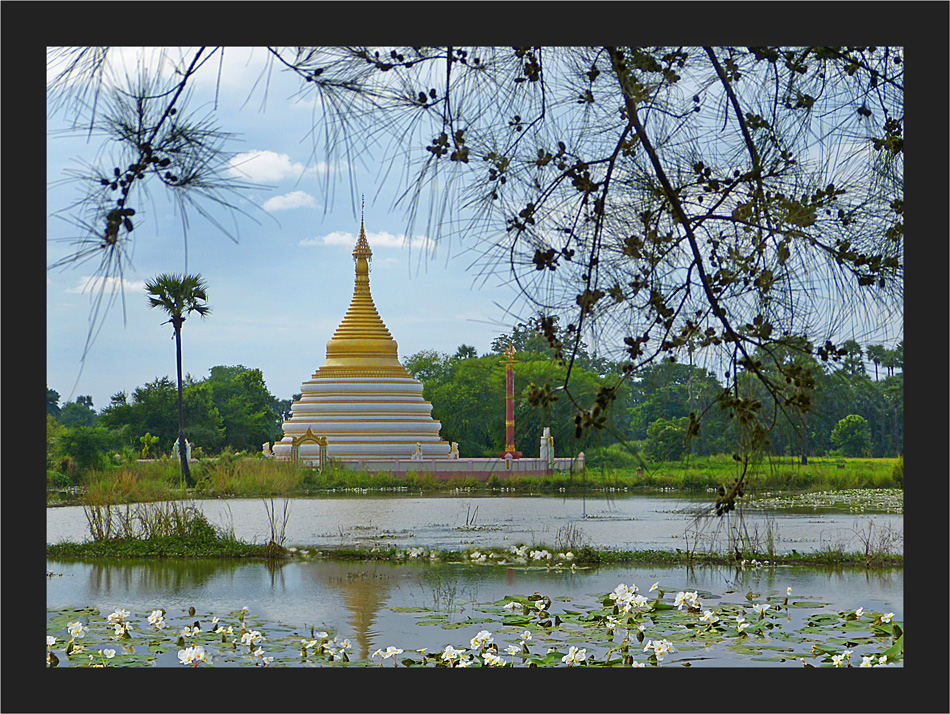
x=465 y=352
x=852 y=436
x=78 y=413
x=87 y=446
x=52 y=402
x=179 y=296
x=878 y=355
x=666 y=439
x=245 y=405
x=853 y=362
x=54 y=434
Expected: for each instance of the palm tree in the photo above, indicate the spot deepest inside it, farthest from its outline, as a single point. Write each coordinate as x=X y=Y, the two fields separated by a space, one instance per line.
x=878 y=355
x=179 y=295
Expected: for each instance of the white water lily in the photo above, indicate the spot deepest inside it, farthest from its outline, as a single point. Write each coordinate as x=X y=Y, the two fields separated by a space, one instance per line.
x=574 y=655
x=118 y=616
x=193 y=655
x=888 y=617
x=660 y=648
x=76 y=629
x=251 y=638
x=481 y=640
x=867 y=661
x=50 y=640
x=709 y=616
x=450 y=654
x=493 y=660
x=689 y=600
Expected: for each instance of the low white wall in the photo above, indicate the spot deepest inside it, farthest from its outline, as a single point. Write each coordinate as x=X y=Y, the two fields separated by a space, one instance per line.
x=480 y=468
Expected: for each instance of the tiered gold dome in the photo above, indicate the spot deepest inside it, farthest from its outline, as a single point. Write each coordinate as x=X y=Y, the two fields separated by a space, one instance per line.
x=362 y=400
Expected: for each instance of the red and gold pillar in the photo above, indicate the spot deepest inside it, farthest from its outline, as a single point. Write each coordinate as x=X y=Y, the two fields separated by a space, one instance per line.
x=510 y=405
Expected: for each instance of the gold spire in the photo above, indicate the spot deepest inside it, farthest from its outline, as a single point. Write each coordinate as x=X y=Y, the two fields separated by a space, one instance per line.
x=362 y=343
x=362 y=249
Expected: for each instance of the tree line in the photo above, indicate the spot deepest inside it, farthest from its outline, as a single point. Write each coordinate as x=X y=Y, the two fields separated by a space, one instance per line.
x=855 y=410
x=231 y=409
x=667 y=409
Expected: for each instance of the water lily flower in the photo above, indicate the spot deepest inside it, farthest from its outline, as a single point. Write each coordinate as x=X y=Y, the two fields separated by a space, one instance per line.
x=118 y=616
x=761 y=608
x=655 y=586
x=838 y=660
x=251 y=638
x=450 y=654
x=76 y=629
x=574 y=655
x=867 y=661
x=50 y=640
x=107 y=653
x=888 y=617
x=193 y=655
x=481 y=640
x=882 y=659
x=709 y=616
x=526 y=635
x=493 y=660
x=859 y=612
x=660 y=648
x=512 y=650
x=788 y=591
x=688 y=600
x=512 y=605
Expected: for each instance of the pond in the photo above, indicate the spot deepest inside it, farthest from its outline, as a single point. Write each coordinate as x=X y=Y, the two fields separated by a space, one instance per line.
x=413 y=605
x=620 y=521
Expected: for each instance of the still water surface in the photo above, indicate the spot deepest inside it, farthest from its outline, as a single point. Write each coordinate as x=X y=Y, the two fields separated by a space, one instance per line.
x=363 y=601
x=457 y=523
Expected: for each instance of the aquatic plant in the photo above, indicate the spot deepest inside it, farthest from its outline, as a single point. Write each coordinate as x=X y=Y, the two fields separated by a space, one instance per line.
x=622 y=629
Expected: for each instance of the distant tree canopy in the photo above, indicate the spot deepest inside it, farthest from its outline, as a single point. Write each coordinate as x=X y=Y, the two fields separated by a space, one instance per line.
x=232 y=408
x=718 y=205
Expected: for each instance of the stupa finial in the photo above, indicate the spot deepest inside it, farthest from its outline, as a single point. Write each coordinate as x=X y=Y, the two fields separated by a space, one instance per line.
x=362 y=249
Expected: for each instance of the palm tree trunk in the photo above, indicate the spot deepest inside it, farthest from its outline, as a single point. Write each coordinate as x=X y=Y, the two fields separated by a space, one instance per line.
x=182 y=450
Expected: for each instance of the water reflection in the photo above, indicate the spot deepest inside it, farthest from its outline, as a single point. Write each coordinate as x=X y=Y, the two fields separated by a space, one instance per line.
x=374 y=604
x=364 y=590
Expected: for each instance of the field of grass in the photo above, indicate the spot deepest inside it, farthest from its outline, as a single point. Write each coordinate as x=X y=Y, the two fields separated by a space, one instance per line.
x=236 y=477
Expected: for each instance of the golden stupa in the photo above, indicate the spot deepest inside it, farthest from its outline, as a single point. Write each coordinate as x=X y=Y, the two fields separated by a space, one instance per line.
x=362 y=404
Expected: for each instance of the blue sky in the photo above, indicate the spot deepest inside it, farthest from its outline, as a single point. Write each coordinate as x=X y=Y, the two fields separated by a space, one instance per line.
x=278 y=294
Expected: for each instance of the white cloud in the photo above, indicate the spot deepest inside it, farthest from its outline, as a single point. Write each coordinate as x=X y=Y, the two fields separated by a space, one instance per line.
x=258 y=165
x=294 y=199
x=376 y=240
x=92 y=284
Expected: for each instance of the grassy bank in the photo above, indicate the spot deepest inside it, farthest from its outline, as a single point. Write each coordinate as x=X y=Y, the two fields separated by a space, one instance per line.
x=252 y=477
x=583 y=557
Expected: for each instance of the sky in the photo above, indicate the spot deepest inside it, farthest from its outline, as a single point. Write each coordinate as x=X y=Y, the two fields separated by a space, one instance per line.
x=279 y=292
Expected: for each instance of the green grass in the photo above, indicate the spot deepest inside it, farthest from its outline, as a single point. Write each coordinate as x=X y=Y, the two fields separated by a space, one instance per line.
x=187 y=534
x=236 y=477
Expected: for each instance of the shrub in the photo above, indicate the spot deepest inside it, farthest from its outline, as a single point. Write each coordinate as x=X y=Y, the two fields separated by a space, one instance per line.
x=852 y=436
x=898 y=472
x=666 y=439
